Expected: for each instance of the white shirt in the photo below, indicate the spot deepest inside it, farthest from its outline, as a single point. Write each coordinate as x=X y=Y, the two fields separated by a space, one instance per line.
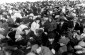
x=10 y=11
x=15 y=16
x=81 y=43
x=34 y=26
x=63 y=9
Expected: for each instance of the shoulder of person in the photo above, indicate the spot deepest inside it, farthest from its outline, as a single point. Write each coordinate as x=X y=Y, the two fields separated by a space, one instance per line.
x=45 y=48
x=33 y=22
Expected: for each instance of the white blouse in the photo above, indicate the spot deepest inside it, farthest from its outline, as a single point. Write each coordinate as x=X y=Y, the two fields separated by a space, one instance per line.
x=35 y=26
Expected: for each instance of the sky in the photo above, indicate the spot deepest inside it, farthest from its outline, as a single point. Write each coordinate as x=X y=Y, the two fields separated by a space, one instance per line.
x=11 y=1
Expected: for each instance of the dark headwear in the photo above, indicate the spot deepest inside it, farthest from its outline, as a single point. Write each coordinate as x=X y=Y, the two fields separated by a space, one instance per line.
x=37 y=18
x=51 y=35
x=18 y=20
x=27 y=20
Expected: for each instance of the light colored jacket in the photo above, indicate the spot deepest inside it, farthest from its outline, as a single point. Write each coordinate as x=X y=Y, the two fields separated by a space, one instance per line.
x=44 y=50
x=19 y=31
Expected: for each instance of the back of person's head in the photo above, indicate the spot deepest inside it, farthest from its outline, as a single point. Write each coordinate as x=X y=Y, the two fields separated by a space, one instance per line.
x=38 y=18
x=18 y=20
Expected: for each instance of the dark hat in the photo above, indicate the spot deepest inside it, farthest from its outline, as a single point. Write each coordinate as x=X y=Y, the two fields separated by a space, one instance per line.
x=18 y=20
x=51 y=35
x=26 y=20
x=62 y=20
x=37 y=18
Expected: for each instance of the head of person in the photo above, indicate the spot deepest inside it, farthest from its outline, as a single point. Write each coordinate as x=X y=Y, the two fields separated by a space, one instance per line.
x=75 y=19
x=63 y=35
x=51 y=37
x=39 y=32
x=30 y=17
x=18 y=20
x=37 y=20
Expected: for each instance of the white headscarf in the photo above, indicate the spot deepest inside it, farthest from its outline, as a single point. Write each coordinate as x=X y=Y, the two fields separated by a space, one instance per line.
x=19 y=31
x=17 y=14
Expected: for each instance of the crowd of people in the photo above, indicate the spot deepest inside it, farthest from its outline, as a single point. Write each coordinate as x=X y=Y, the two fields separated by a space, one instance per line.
x=42 y=28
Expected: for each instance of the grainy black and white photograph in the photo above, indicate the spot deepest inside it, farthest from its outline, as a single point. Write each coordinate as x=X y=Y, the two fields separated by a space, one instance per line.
x=42 y=27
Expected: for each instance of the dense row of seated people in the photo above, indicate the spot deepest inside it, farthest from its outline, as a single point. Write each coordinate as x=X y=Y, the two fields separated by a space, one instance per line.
x=42 y=31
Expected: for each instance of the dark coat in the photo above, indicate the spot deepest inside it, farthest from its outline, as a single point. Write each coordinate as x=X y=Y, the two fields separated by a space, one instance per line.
x=62 y=29
x=54 y=45
x=77 y=26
